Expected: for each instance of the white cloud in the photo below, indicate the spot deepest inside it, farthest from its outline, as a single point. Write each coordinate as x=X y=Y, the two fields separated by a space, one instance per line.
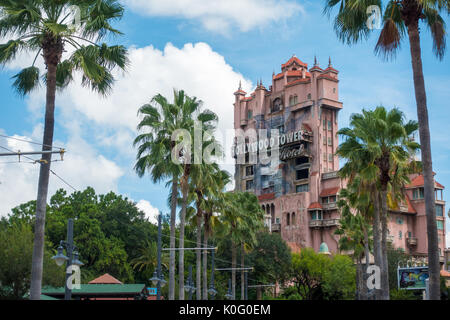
x=195 y=68
x=150 y=212
x=82 y=166
x=218 y=15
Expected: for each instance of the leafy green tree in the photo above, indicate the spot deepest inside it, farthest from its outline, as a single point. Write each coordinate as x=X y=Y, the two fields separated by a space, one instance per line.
x=402 y=19
x=270 y=258
x=109 y=230
x=16 y=247
x=318 y=277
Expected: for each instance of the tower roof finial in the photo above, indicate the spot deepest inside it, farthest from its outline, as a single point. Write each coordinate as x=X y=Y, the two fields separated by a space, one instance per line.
x=329 y=61
x=240 y=85
x=315 y=60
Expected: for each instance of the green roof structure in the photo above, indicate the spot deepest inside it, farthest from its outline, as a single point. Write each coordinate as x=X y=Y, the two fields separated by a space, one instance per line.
x=99 y=291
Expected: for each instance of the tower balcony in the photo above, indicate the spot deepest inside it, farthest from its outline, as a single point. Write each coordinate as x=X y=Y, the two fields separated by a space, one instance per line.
x=329 y=175
x=325 y=223
x=412 y=241
x=330 y=206
x=276 y=227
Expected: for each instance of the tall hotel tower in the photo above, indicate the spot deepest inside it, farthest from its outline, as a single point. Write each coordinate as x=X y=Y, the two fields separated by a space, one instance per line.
x=298 y=189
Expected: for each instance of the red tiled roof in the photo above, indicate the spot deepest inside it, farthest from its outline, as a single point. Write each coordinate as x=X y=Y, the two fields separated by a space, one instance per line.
x=292 y=73
x=315 y=205
x=306 y=80
x=324 y=76
x=247 y=99
x=105 y=279
x=292 y=60
x=240 y=91
x=331 y=69
x=316 y=68
x=445 y=273
x=266 y=196
x=418 y=182
x=329 y=192
x=411 y=209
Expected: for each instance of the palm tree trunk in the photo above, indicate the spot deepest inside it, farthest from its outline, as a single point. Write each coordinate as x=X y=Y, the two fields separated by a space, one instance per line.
x=376 y=236
x=44 y=172
x=425 y=147
x=198 y=277
x=384 y=231
x=205 y=265
x=233 y=271
x=173 y=211
x=181 y=242
x=367 y=254
x=359 y=279
x=242 y=273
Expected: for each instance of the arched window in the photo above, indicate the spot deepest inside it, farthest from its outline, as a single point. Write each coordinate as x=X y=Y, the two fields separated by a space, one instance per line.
x=287 y=219
x=272 y=212
x=293 y=218
x=277 y=105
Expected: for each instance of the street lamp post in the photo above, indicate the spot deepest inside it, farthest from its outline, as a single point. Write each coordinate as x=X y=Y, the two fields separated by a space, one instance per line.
x=71 y=259
x=212 y=291
x=158 y=277
x=189 y=287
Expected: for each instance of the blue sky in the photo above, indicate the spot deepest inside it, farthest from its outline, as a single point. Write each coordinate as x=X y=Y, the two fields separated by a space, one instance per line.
x=206 y=50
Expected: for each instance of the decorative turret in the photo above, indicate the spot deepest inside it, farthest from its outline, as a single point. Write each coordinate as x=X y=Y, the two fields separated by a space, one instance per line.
x=240 y=91
x=316 y=66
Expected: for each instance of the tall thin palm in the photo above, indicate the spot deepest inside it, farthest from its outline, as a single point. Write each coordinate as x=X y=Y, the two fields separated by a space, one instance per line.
x=155 y=145
x=206 y=122
x=402 y=18
x=355 y=230
x=46 y=28
x=241 y=217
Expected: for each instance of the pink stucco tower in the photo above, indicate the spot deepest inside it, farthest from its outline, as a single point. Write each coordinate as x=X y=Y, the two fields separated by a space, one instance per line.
x=300 y=196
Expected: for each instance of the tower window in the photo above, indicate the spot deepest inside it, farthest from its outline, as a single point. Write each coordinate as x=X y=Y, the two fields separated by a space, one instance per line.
x=418 y=193
x=302 y=188
x=249 y=114
x=302 y=174
x=248 y=184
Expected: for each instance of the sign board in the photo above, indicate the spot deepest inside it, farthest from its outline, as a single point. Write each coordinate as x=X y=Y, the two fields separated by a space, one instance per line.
x=412 y=278
x=152 y=291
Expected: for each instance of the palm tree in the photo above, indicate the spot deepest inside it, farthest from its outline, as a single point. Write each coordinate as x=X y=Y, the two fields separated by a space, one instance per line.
x=254 y=223
x=241 y=217
x=378 y=142
x=46 y=28
x=206 y=122
x=355 y=231
x=147 y=260
x=402 y=17
x=154 y=154
x=213 y=204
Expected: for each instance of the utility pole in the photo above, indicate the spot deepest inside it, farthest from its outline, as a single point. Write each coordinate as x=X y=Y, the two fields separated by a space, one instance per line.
x=158 y=288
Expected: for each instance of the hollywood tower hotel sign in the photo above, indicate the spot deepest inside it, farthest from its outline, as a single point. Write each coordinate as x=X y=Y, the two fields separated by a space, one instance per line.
x=286 y=156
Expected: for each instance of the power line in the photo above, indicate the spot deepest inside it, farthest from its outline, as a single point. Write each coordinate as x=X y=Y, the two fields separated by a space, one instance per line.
x=38 y=161
x=29 y=141
x=62 y=180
